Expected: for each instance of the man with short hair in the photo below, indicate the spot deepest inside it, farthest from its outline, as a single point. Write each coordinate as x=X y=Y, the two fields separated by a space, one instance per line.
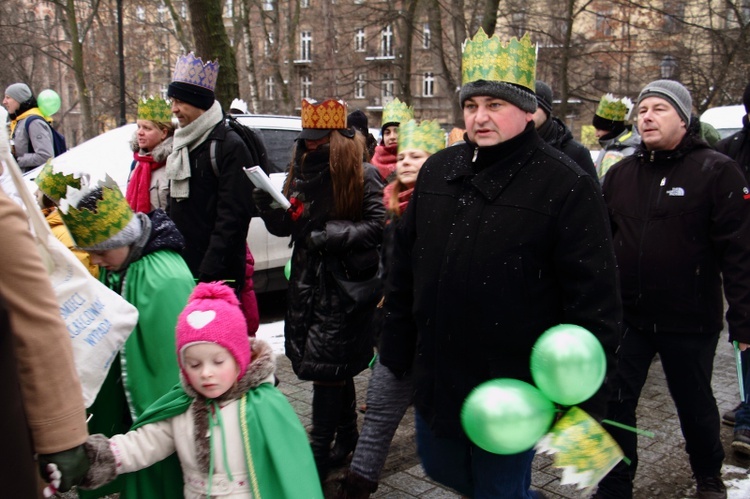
x=555 y=133
x=31 y=146
x=680 y=216
x=504 y=238
x=210 y=199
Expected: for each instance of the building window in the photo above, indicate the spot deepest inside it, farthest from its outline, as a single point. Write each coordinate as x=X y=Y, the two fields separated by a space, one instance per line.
x=674 y=14
x=387 y=87
x=428 y=85
x=359 y=40
x=163 y=92
x=267 y=5
x=359 y=86
x=603 y=27
x=305 y=46
x=386 y=42
x=269 y=88
x=161 y=14
x=305 y=86
x=518 y=23
x=304 y=3
x=183 y=10
x=140 y=13
x=228 y=8
x=426 y=36
x=268 y=45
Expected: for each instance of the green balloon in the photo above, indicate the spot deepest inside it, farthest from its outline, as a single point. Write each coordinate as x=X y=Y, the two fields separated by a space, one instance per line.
x=288 y=269
x=48 y=102
x=568 y=364
x=506 y=416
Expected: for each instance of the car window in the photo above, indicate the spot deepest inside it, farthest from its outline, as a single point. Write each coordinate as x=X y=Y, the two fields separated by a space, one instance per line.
x=279 y=145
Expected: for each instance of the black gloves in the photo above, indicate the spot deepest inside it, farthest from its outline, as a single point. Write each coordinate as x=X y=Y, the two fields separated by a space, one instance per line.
x=262 y=199
x=72 y=463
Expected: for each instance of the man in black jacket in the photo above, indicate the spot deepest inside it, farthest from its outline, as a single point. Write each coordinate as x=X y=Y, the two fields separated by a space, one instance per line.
x=556 y=133
x=737 y=147
x=680 y=215
x=210 y=199
x=504 y=238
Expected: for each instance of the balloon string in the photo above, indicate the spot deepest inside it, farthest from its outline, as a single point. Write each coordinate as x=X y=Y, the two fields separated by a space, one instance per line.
x=645 y=433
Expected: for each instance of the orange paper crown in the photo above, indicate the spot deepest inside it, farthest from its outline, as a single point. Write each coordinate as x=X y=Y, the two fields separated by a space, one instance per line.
x=328 y=115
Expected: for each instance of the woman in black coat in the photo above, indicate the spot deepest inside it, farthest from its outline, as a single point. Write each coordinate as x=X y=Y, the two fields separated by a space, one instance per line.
x=336 y=224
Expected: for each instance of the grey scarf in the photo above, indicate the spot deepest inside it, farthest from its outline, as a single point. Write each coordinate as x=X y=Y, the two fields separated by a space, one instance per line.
x=186 y=139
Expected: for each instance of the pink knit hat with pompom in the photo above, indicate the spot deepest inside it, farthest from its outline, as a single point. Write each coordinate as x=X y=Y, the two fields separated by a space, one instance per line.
x=213 y=315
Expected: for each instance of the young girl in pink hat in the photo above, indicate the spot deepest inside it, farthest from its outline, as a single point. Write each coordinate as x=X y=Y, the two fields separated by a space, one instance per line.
x=234 y=432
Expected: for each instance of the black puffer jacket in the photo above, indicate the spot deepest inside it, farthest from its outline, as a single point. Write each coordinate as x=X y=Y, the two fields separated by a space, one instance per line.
x=681 y=223
x=327 y=336
x=555 y=133
x=737 y=147
x=490 y=255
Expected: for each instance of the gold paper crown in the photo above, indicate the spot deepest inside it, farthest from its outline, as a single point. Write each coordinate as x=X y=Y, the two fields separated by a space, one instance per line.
x=190 y=69
x=54 y=184
x=489 y=59
x=92 y=227
x=328 y=115
x=397 y=112
x=427 y=136
x=614 y=109
x=152 y=109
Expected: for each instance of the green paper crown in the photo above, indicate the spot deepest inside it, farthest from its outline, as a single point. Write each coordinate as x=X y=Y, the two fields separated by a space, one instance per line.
x=154 y=110
x=490 y=59
x=614 y=109
x=52 y=184
x=427 y=136
x=397 y=112
x=92 y=227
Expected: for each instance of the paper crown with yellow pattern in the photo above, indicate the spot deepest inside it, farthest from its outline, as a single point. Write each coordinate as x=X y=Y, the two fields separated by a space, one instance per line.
x=492 y=68
x=329 y=114
x=190 y=69
x=426 y=136
x=396 y=112
x=612 y=108
x=96 y=227
x=154 y=109
x=54 y=184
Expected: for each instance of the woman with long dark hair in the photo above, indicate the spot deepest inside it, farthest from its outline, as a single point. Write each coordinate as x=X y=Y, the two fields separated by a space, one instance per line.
x=336 y=224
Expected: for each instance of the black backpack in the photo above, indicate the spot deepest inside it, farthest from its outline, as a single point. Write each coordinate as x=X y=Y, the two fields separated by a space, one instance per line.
x=58 y=139
x=250 y=138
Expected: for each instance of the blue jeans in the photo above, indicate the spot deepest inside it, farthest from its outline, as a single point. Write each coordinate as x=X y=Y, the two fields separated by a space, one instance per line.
x=473 y=472
x=742 y=415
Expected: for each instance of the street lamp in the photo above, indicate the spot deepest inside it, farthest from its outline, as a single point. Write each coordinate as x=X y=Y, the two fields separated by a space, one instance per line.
x=668 y=67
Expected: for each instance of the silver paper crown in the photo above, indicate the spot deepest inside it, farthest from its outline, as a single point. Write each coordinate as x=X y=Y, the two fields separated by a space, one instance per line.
x=192 y=70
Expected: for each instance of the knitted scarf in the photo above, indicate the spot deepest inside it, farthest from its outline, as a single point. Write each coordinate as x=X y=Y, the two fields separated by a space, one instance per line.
x=384 y=160
x=139 y=187
x=186 y=139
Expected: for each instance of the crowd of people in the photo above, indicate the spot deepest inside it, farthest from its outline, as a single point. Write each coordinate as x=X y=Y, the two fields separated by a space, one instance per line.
x=438 y=266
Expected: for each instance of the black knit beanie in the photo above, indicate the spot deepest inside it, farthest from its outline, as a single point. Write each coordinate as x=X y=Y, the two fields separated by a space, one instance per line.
x=519 y=96
x=199 y=97
x=544 y=97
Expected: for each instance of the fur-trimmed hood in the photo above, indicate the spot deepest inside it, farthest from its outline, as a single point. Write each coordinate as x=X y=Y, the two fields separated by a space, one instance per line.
x=160 y=152
x=262 y=366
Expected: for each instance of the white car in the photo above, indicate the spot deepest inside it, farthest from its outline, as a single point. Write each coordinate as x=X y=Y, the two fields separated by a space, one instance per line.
x=110 y=154
x=725 y=119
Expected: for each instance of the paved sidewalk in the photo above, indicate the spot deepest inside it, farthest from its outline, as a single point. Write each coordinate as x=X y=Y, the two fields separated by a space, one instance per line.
x=663 y=470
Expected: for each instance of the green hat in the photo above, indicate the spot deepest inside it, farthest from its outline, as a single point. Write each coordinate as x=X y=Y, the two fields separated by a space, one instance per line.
x=396 y=112
x=157 y=110
x=54 y=184
x=612 y=112
x=428 y=136
x=98 y=216
x=496 y=69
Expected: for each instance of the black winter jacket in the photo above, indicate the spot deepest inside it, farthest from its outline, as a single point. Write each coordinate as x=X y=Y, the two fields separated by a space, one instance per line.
x=490 y=255
x=737 y=147
x=215 y=218
x=328 y=334
x=555 y=133
x=681 y=222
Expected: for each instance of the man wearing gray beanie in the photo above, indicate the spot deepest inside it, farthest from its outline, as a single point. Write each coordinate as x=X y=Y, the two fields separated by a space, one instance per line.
x=30 y=134
x=680 y=217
